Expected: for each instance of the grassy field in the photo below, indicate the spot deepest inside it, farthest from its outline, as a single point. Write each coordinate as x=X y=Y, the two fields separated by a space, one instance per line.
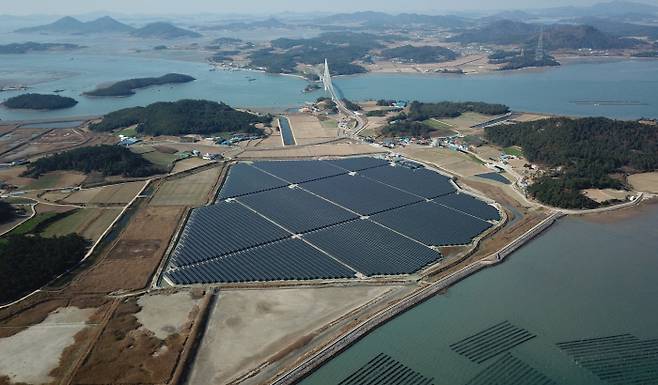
x=113 y=194
x=31 y=224
x=191 y=190
x=160 y=159
x=329 y=123
x=56 y=179
x=130 y=131
x=89 y=223
x=514 y=151
x=442 y=128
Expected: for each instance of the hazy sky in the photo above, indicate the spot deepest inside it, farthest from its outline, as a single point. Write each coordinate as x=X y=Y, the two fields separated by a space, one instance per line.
x=65 y=7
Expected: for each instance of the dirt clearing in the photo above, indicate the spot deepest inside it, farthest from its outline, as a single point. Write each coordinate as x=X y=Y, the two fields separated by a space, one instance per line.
x=250 y=326
x=454 y=162
x=164 y=315
x=647 y=182
x=30 y=355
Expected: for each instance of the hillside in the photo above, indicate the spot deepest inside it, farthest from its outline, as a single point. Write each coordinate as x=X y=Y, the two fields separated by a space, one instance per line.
x=128 y=87
x=106 y=159
x=381 y=20
x=162 y=30
x=586 y=152
x=557 y=36
x=421 y=54
x=30 y=46
x=183 y=117
x=70 y=25
x=39 y=102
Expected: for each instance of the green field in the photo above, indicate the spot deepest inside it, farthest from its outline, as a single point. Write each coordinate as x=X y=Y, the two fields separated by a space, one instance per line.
x=31 y=224
x=160 y=159
x=442 y=128
x=329 y=123
x=514 y=151
x=130 y=131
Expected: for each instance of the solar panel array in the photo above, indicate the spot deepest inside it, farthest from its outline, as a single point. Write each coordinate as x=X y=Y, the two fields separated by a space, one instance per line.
x=433 y=224
x=373 y=249
x=324 y=219
x=620 y=359
x=491 y=342
x=384 y=369
x=290 y=259
x=421 y=182
x=510 y=370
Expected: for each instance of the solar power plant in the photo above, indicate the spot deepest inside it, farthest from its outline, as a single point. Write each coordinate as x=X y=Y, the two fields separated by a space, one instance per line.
x=359 y=194
x=421 y=182
x=244 y=179
x=290 y=259
x=372 y=249
x=433 y=224
x=384 y=369
x=470 y=205
x=491 y=342
x=297 y=210
x=298 y=171
x=358 y=164
x=220 y=229
x=313 y=220
x=510 y=370
x=621 y=359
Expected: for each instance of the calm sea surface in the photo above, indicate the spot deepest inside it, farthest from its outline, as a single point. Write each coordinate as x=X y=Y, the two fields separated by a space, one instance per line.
x=581 y=279
x=574 y=89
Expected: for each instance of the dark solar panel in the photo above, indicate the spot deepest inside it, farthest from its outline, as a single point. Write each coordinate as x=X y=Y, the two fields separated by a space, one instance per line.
x=244 y=179
x=290 y=259
x=297 y=210
x=510 y=370
x=470 y=205
x=298 y=171
x=385 y=370
x=433 y=224
x=422 y=182
x=358 y=164
x=372 y=249
x=220 y=229
x=360 y=194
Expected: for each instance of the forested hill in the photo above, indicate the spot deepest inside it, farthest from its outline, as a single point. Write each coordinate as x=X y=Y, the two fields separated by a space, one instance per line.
x=39 y=102
x=587 y=150
x=128 y=87
x=183 y=117
x=109 y=160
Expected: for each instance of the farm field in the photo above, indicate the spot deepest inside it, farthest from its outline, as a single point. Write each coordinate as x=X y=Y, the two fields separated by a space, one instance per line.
x=189 y=163
x=189 y=190
x=90 y=223
x=307 y=128
x=452 y=161
x=645 y=182
x=17 y=137
x=118 y=194
x=54 y=180
x=334 y=149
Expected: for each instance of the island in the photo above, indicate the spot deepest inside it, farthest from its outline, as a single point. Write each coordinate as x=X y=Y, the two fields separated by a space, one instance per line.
x=162 y=30
x=39 y=102
x=183 y=117
x=30 y=46
x=128 y=87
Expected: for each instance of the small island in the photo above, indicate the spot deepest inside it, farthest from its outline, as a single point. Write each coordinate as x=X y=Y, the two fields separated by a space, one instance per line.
x=39 y=102
x=128 y=87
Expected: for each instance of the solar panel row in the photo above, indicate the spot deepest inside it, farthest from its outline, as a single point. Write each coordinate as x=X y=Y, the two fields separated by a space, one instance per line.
x=433 y=224
x=373 y=249
x=290 y=259
x=358 y=164
x=360 y=194
x=298 y=171
x=469 y=205
x=421 y=182
x=244 y=179
x=297 y=210
x=220 y=229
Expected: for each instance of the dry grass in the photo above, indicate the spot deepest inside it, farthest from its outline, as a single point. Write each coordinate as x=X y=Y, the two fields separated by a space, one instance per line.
x=90 y=223
x=647 y=182
x=192 y=190
x=452 y=161
x=307 y=128
x=332 y=149
x=108 y=195
x=604 y=195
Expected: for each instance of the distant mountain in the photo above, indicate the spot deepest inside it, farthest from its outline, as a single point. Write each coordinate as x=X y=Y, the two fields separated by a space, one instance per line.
x=71 y=25
x=270 y=23
x=21 y=48
x=557 y=36
x=163 y=30
x=378 y=20
x=617 y=28
x=607 y=9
